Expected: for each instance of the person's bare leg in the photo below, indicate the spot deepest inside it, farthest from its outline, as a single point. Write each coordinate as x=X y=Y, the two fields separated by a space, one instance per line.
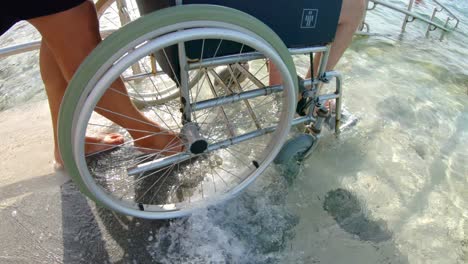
x=275 y=77
x=55 y=86
x=71 y=35
x=350 y=18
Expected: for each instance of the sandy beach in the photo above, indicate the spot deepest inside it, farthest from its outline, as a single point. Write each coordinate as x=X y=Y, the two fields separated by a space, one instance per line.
x=26 y=134
x=45 y=219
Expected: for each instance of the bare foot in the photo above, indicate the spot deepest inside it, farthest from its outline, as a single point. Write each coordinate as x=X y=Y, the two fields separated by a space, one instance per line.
x=96 y=144
x=163 y=142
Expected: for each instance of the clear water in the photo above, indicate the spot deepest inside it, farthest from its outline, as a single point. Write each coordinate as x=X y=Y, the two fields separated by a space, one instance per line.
x=392 y=189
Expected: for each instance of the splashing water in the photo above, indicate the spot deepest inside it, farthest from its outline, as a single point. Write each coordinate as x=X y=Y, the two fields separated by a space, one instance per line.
x=254 y=228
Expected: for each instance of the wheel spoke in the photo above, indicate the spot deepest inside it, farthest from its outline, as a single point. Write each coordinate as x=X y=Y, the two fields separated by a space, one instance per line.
x=175 y=182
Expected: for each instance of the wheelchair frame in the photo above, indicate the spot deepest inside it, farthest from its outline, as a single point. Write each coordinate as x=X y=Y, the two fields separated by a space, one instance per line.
x=311 y=92
x=73 y=118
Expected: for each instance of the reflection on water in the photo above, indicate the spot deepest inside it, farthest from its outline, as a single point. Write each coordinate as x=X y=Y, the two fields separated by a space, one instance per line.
x=406 y=159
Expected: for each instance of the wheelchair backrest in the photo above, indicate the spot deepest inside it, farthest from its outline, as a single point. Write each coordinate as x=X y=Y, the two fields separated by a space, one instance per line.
x=299 y=23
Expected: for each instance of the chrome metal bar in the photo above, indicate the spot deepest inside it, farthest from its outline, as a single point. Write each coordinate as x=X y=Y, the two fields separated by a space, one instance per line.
x=241 y=138
x=307 y=83
x=339 y=93
x=253 y=134
x=225 y=60
x=141 y=76
x=20 y=48
x=297 y=51
x=184 y=85
x=325 y=97
x=166 y=161
x=246 y=102
x=248 y=56
x=235 y=97
x=16 y=49
x=323 y=62
x=303 y=119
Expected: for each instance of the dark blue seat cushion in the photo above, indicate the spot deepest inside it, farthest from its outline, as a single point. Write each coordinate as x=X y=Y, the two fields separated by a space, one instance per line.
x=299 y=23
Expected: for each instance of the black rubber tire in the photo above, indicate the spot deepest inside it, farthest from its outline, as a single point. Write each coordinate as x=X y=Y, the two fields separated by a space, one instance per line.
x=294 y=149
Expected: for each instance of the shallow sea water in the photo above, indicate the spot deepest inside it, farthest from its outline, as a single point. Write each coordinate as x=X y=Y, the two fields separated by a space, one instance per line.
x=391 y=189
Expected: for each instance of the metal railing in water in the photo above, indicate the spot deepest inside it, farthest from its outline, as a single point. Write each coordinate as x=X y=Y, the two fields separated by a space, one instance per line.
x=411 y=16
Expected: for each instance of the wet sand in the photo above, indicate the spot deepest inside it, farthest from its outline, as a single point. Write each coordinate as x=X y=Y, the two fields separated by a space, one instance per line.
x=27 y=146
x=45 y=219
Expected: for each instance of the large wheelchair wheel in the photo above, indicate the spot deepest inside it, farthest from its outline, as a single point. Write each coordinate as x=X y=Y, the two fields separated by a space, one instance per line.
x=114 y=14
x=238 y=129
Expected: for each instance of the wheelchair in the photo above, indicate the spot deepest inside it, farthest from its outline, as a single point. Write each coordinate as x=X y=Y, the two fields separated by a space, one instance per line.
x=211 y=89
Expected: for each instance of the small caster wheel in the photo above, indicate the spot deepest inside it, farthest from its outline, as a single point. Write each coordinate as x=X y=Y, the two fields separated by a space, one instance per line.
x=293 y=152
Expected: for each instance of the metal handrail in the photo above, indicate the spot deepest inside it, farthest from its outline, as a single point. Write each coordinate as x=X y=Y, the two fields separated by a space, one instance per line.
x=20 y=48
x=409 y=13
x=448 y=11
x=411 y=16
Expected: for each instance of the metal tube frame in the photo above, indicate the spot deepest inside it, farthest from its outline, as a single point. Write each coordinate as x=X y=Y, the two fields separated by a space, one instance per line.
x=162 y=162
x=311 y=84
x=337 y=96
x=188 y=108
x=184 y=85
